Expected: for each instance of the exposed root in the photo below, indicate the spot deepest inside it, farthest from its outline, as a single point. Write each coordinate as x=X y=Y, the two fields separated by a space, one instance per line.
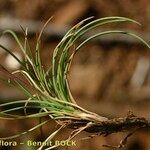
x=130 y=123
x=123 y=142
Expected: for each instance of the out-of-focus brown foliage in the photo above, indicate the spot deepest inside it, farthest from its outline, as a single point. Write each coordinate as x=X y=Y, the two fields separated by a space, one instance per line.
x=69 y=12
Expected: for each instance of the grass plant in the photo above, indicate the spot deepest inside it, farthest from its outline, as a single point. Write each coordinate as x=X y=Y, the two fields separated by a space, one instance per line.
x=48 y=90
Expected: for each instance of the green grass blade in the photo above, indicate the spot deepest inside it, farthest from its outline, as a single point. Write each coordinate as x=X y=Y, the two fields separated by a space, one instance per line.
x=23 y=133
x=102 y=21
x=8 y=51
x=112 y=32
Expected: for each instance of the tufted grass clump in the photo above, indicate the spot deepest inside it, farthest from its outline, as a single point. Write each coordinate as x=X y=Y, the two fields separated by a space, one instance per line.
x=48 y=90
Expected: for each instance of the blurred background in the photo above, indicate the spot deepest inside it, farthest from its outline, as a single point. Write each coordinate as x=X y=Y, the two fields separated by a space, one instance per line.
x=109 y=76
